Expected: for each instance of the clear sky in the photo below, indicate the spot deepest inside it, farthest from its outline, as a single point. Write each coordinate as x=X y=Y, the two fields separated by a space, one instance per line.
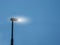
x=44 y=28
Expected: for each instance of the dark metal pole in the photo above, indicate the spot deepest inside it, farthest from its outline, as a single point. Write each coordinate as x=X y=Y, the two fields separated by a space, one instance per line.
x=12 y=40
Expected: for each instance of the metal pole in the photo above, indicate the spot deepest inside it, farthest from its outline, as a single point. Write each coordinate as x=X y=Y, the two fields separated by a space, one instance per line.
x=12 y=40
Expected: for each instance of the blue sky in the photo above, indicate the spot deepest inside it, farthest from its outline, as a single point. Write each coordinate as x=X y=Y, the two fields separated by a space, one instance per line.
x=44 y=28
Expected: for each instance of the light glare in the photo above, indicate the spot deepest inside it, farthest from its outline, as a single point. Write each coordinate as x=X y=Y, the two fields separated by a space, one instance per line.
x=22 y=20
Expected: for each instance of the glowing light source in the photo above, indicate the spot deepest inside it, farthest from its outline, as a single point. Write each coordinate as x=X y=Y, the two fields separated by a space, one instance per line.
x=20 y=19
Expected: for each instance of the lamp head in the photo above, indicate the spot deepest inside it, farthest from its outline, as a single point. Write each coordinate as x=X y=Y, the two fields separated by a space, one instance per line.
x=19 y=19
x=13 y=19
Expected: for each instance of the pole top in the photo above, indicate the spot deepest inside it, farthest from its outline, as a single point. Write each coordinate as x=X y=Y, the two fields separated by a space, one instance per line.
x=13 y=19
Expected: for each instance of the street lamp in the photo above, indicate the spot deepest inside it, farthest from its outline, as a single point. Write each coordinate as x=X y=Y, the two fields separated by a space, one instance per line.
x=12 y=39
x=15 y=19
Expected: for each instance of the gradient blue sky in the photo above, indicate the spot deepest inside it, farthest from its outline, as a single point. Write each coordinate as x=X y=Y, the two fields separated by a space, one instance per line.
x=44 y=28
